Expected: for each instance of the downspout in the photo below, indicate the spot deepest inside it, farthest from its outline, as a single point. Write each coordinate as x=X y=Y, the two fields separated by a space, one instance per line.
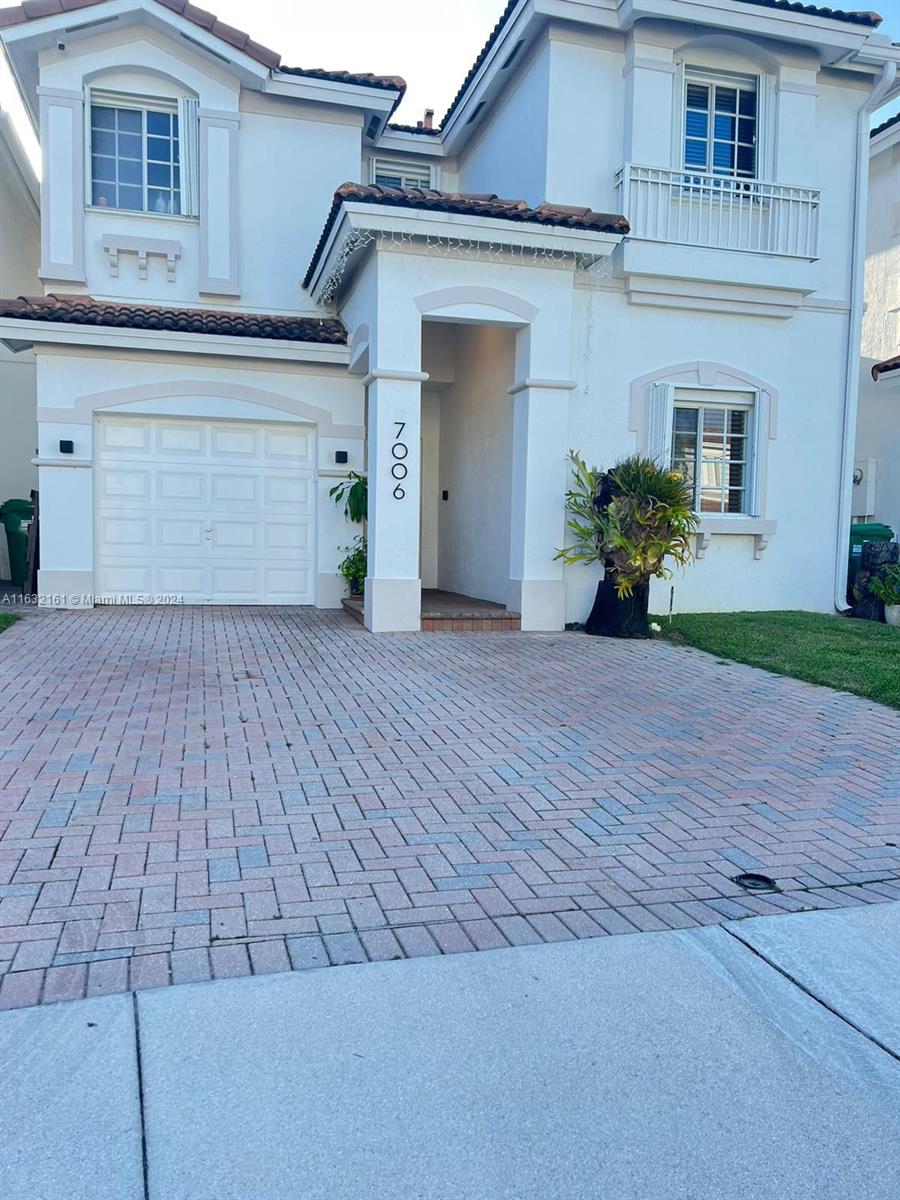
x=854 y=335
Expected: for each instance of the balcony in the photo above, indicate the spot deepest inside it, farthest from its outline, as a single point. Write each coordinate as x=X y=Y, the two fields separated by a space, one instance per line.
x=716 y=243
x=720 y=212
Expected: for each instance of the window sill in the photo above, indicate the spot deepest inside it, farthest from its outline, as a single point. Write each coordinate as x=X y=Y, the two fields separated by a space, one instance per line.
x=713 y=526
x=175 y=218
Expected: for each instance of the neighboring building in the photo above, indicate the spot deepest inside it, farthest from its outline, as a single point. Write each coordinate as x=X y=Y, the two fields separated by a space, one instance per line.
x=226 y=334
x=876 y=494
x=20 y=235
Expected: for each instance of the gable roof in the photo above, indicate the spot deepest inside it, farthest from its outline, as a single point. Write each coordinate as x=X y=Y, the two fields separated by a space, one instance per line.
x=85 y=310
x=34 y=10
x=470 y=204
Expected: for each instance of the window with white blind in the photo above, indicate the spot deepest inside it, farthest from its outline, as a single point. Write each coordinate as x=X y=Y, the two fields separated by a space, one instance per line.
x=711 y=449
x=142 y=154
x=720 y=124
x=399 y=173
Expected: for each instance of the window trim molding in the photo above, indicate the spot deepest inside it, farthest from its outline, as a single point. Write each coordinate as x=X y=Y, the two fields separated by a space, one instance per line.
x=186 y=109
x=711 y=377
x=766 y=92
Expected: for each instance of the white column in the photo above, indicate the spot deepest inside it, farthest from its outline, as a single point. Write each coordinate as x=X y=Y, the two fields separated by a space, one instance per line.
x=538 y=515
x=393 y=584
x=66 y=573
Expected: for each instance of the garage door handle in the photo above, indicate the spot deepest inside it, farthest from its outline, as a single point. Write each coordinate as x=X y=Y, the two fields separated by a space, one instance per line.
x=208 y=534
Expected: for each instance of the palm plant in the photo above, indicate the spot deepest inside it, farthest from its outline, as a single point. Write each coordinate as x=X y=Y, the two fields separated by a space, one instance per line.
x=630 y=519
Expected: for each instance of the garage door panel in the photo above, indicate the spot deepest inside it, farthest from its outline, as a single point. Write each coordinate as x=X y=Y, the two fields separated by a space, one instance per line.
x=284 y=535
x=235 y=442
x=181 y=439
x=282 y=584
x=126 y=485
x=125 y=436
x=236 y=535
x=116 y=531
x=180 y=579
x=289 y=490
x=182 y=486
x=176 y=534
x=215 y=512
x=294 y=444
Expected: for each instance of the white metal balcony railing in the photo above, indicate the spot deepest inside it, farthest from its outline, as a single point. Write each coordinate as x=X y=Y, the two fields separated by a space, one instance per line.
x=697 y=209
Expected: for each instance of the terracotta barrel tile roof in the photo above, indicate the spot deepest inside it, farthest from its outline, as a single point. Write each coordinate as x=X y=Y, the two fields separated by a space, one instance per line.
x=487 y=205
x=84 y=310
x=889 y=364
x=387 y=82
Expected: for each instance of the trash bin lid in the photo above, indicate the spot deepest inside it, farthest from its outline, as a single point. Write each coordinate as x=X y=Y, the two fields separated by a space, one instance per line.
x=871 y=532
x=22 y=506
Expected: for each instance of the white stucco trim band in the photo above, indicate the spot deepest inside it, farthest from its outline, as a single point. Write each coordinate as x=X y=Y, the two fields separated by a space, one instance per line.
x=565 y=385
x=404 y=376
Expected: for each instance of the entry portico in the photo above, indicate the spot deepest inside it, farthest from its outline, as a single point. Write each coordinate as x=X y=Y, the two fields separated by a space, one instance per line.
x=392 y=266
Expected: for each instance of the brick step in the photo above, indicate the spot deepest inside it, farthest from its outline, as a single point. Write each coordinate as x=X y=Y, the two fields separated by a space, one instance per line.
x=458 y=622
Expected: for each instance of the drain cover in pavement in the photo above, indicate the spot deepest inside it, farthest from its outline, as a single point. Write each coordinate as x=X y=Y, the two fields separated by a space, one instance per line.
x=756 y=883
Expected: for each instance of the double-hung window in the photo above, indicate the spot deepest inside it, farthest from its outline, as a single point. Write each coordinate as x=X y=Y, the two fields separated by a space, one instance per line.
x=720 y=125
x=136 y=158
x=711 y=449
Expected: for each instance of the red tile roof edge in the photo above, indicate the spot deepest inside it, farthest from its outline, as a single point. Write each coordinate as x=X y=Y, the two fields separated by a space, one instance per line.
x=889 y=364
x=559 y=215
x=85 y=310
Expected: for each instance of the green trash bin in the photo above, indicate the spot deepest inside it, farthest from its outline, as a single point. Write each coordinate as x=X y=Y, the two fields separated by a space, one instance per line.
x=873 y=532
x=16 y=516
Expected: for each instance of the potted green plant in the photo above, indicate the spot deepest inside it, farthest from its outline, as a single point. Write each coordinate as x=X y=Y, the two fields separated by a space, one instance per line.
x=353 y=493
x=353 y=567
x=629 y=519
x=887 y=588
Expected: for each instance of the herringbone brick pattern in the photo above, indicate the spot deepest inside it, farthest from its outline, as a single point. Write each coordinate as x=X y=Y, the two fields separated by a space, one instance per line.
x=200 y=793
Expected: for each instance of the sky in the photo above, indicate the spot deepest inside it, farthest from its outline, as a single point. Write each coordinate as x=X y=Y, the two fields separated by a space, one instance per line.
x=432 y=52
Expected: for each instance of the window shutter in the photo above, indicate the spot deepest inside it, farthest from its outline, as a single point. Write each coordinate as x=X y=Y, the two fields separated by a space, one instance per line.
x=189 y=147
x=88 y=164
x=659 y=424
x=759 y=452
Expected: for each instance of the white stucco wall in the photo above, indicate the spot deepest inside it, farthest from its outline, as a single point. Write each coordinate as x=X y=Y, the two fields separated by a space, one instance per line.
x=475 y=466
x=878 y=428
x=509 y=154
x=614 y=344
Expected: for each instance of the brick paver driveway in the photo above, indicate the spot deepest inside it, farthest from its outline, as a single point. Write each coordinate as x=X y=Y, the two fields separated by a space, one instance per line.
x=196 y=792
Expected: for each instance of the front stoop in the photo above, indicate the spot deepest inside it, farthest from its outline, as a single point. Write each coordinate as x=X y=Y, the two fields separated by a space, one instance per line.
x=446 y=612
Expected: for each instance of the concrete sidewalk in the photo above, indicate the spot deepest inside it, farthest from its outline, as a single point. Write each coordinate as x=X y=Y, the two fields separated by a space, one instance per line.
x=757 y=1059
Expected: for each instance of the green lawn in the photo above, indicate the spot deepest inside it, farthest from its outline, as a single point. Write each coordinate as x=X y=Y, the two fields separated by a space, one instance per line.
x=6 y=619
x=854 y=656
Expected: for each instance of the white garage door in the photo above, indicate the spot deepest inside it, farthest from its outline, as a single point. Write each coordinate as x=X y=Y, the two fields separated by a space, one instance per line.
x=216 y=512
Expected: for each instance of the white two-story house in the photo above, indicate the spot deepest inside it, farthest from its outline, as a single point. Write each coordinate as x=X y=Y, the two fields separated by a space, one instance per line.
x=637 y=228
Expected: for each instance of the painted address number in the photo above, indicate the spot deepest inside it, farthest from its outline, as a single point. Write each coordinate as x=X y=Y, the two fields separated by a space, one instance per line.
x=399 y=469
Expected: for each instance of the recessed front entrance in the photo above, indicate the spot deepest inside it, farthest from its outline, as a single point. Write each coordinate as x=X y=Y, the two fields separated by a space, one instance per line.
x=208 y=512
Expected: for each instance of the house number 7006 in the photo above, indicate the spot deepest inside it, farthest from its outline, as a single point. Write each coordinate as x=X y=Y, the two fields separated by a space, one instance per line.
x=399 y=469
